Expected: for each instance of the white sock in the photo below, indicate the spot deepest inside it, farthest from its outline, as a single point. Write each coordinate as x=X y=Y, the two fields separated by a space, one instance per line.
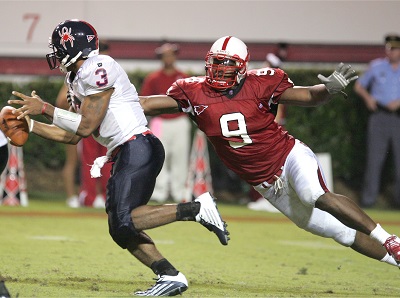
x=390 y=260
x=379 y=234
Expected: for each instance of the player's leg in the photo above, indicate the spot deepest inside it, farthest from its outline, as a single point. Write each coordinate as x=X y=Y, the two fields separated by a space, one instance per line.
x=130 y=187
x=395 y=137
x=347 y=212
x=161 y=189
x=307 y=186
x=377 y=146
x=101 y=182
x=88 y=184
x=179 y=155
x=69 y=173
x=308 y=181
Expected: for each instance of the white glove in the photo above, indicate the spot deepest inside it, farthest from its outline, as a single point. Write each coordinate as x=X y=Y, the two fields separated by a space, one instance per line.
x=339 y=79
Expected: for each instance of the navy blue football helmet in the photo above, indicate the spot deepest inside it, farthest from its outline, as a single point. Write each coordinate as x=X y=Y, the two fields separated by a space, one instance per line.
x=72 y=40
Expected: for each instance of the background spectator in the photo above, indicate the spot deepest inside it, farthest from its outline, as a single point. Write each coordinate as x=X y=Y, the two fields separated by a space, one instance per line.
x=174 y=130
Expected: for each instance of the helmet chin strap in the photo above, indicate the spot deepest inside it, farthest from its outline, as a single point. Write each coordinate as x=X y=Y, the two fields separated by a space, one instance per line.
x=64 y=64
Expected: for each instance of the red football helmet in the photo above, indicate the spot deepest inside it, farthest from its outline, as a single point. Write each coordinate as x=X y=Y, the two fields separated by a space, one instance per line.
x=226 y=63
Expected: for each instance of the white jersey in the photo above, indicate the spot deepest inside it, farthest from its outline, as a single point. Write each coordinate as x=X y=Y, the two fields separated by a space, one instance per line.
x=3 y=139
x=124 y=117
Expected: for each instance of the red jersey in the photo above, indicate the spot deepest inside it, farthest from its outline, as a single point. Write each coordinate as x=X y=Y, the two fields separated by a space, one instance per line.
x=157 y=83
x=239 y=123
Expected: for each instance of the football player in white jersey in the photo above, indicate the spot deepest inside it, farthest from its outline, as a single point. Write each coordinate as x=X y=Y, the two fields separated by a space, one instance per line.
x=105 y=104
x=232 y=105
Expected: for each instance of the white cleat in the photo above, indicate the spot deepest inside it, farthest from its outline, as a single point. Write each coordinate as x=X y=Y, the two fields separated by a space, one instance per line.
x=209 y=217
x=166 y=285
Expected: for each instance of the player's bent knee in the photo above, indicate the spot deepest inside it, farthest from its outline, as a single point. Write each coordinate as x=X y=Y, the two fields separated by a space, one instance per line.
x=123 y=234
x=126 y=234
x=346 y=237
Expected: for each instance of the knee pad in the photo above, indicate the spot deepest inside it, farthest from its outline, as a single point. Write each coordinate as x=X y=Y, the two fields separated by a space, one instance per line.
x=345 y=237
x=124 y=233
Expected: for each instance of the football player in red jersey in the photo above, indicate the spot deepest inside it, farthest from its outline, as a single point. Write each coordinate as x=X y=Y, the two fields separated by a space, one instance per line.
x=231 y=104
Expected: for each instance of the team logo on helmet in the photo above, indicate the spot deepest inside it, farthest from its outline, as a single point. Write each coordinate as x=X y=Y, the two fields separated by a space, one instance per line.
x=90 y=37
x=66 y=36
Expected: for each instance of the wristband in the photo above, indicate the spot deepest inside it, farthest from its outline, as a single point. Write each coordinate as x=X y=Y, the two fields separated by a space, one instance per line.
x=44 y=107
x=66 y=120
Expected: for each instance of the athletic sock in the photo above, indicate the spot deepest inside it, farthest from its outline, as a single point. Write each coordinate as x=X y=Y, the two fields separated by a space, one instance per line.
x=187 y=211
x=163 y=267
x=390 y=260
x=379 y=234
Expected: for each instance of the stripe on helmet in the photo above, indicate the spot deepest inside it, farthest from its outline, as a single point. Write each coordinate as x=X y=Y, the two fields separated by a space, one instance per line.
x=226 y=43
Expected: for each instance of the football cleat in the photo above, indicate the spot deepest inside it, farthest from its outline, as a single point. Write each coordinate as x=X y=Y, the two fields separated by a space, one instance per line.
x=392 y=245
x=166 y=285
x=209 y=217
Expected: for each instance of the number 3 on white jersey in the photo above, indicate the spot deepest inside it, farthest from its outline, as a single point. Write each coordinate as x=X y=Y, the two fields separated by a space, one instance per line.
x=240 y=132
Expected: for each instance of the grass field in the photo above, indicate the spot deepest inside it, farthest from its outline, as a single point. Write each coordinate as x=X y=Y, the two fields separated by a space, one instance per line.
x=49 y=250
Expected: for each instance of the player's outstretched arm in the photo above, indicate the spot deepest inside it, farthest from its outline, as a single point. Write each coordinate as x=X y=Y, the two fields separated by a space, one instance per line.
x=158 y=104
x=92 y=111
x=318 y=94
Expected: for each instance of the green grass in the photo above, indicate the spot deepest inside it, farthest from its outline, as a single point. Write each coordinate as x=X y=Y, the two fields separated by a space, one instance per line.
x=49 y=250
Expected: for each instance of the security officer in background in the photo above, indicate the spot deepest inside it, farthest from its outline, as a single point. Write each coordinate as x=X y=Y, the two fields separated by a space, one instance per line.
x=379 y=87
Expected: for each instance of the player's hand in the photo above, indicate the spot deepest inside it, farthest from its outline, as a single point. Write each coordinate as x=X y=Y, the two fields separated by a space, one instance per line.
x=339 y=79
x=30 y=105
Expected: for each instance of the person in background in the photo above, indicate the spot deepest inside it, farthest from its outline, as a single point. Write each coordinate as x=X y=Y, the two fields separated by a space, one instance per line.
x=174 y=130
x=379 y=87
x=3 y=151
x=106 y=104
x=92 y=191
x=231 y=105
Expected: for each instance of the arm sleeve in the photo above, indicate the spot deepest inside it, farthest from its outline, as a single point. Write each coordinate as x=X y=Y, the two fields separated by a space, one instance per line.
x=177 y=93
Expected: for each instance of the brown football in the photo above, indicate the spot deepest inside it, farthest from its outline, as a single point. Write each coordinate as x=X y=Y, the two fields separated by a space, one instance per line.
x=17 y=130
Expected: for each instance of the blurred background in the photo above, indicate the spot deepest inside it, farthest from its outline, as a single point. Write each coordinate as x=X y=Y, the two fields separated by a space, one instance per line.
x=317 y=35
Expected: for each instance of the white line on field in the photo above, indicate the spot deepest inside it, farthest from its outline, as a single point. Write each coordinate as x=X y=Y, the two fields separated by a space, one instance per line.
x=52 y=238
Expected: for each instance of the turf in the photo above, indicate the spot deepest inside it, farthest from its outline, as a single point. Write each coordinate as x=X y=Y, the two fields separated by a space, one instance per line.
x=49 y=250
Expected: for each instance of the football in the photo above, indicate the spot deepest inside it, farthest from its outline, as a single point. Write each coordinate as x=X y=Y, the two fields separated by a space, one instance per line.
x=16 y=130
